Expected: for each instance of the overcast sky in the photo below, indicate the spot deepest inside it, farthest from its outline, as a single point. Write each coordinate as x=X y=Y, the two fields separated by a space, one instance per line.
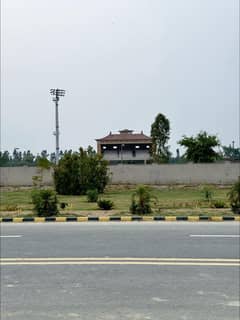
x=121 y=63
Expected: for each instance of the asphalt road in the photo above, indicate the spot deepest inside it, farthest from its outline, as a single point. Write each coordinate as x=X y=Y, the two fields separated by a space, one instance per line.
x=111 y=271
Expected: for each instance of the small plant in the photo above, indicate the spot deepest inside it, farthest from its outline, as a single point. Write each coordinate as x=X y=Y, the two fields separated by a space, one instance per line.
x=92 y=195
x=45 y=202
x=63 y=205
x=234 y=197
x=207 y=193
x=133 y=207
x=105 y=204
x=219 y=204
x=141 y=201
x=12 y=207
x=37 y=181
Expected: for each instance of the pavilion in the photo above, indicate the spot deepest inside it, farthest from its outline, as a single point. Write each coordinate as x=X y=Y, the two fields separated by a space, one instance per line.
x=125 y=147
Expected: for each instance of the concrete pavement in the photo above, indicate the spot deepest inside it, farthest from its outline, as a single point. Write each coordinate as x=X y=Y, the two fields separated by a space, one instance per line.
x=120 y=291
x=160 y=239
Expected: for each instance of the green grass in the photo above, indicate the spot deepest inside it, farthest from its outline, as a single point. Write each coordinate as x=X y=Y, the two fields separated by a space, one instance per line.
x=177 y=200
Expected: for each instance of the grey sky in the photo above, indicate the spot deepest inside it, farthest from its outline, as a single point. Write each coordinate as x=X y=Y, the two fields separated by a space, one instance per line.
x=121 y=63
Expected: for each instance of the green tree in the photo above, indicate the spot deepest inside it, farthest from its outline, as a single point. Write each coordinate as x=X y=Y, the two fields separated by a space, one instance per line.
x=231 y=152
x=44 y=154
x=160 y=133
x=17 y=155
x=80 y=171
x=16 y=159
x=42 y=164
x=90 y=151
x=200 y=148
x=4 y=158
x=28 y=158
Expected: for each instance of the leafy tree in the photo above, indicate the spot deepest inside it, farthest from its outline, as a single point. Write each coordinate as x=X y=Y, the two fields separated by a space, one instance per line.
x=80 y=171
x=44 y=154
x=17 y=155
x=91 y=151
x=25 y=158
x=28 y=157
x=43 y=163
x=200 y=148
x=42 y=158
x=17 y=158
x=231 y=153
x=160 y=133
x=4 y=158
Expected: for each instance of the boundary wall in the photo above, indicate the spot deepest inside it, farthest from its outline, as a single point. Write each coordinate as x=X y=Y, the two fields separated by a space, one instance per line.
x=23 y=176
x=189 y=174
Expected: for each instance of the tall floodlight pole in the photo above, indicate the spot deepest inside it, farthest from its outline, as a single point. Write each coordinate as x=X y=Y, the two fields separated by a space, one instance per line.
x=56 y=93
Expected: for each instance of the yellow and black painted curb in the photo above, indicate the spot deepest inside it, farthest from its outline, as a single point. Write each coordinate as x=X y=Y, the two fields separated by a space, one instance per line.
x=121 y=218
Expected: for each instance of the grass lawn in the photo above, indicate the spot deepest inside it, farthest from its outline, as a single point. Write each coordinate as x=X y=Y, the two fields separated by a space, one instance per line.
x=170 y=200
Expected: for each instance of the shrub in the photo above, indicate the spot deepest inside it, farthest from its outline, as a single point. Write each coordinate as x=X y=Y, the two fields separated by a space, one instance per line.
x=207 y=193
x=80 y=171
x=92 y=195
x=133 y=207
x=105 y=204
x=13 y=207
x=63 y=205
x=141 y=201
x=234 y=197
x=218 y=204
x=37 y=181
x=45 y=202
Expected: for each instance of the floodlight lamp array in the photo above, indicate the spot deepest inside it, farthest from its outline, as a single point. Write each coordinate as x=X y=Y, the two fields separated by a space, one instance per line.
x=57 y=92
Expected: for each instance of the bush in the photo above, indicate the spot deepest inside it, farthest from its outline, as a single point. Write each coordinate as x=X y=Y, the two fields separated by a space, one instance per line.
x=63 y=205
x=92 y=195
x=45 y=202
x=218 y=204
x=105 y=204
x=207 y=193
x=13 y=207
x=234 y=197
x=80 y=171
x=141 y=201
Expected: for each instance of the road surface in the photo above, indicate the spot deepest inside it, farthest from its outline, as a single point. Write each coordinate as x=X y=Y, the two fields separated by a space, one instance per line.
x=114 y=271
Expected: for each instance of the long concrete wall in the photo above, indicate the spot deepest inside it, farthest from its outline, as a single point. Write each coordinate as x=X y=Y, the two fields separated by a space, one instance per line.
x=217 y=173
x=23 y=176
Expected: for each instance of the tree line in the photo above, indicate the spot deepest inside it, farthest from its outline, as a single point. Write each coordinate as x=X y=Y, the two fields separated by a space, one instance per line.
x=20 y=158
x=199 y=149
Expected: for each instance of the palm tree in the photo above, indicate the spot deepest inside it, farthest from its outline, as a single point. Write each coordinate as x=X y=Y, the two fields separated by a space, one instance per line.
x=141 y=200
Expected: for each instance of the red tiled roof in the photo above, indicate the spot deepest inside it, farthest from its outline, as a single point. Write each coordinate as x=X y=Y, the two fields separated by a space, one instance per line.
x=125 y=135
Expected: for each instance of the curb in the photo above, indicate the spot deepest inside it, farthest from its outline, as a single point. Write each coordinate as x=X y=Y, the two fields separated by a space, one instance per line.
x=121 y=218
